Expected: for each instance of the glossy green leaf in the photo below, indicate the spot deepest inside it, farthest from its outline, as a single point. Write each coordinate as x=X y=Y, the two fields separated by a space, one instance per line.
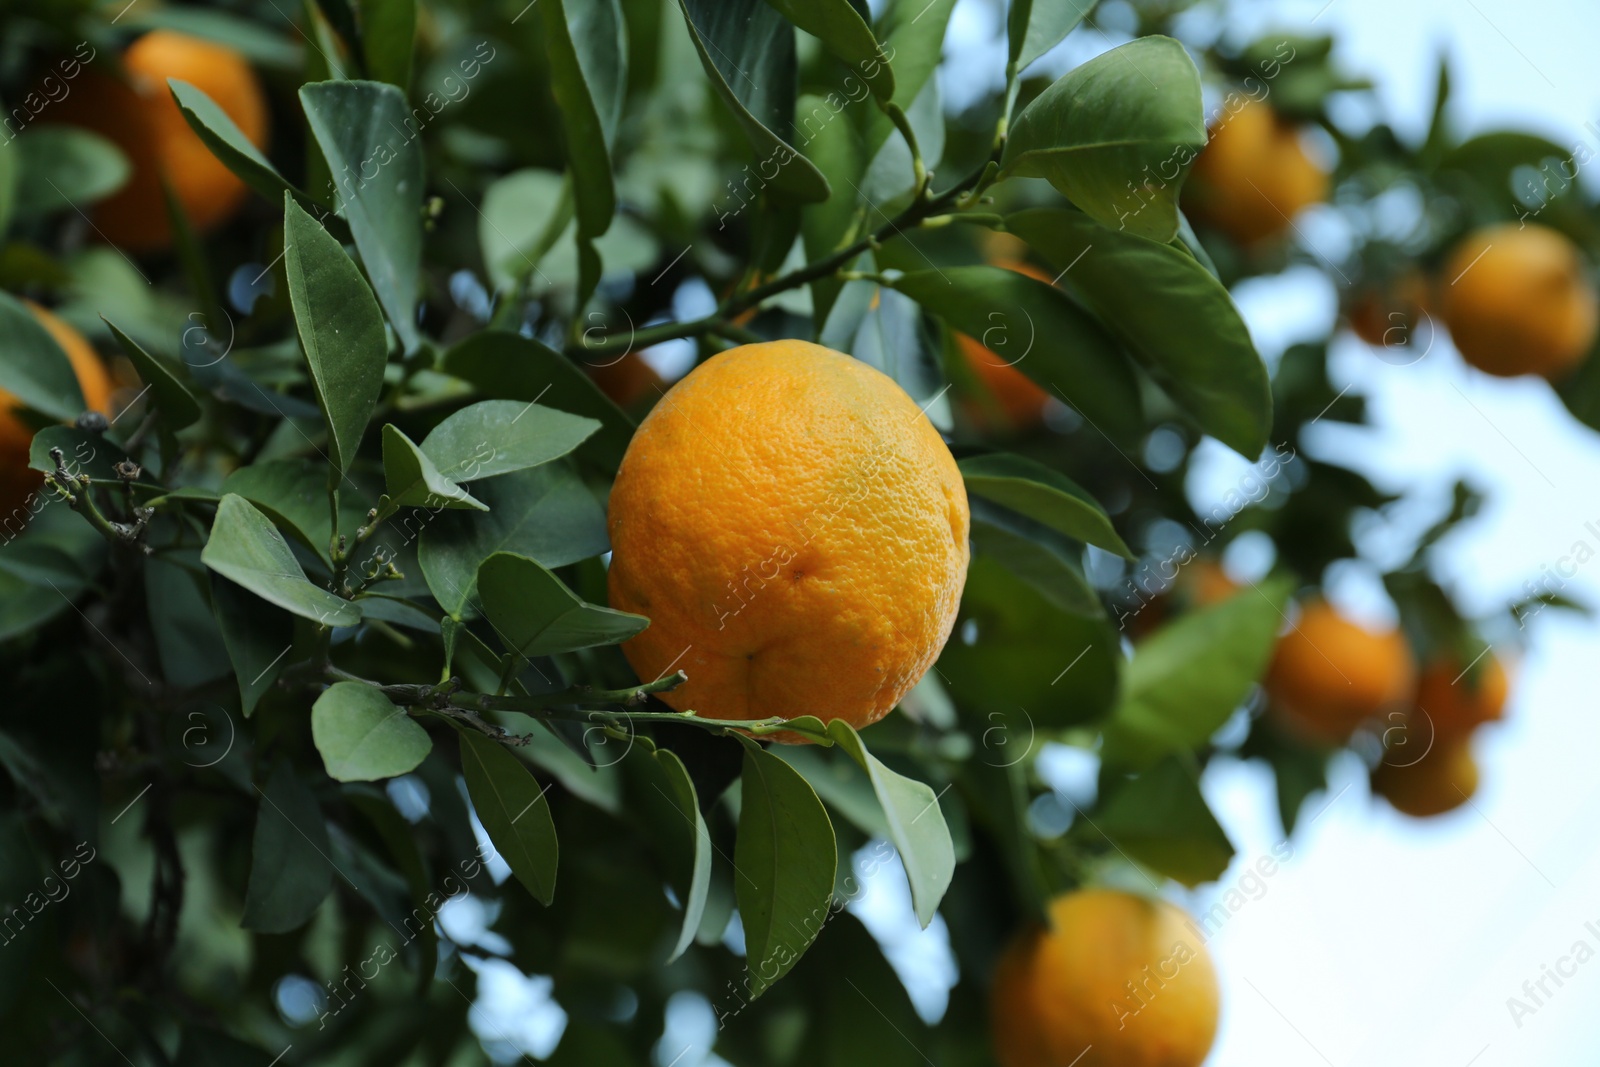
x=246 y=548
x=845 y=33
x=413 y=480
x=1197 y=348
x=833 y=143
x=257 y=639
x=588 y=66
x=362 y=736
x=513 y=367
x=1036 y=26
x=912 y=32
x=1015 y=654
x=522 y=217
x=229 y=144
x=1042 y=494
x=747 y=49
x=388 y=39
x=916 y=824
x=1161 y=819
x=784 y=860
x=535 y=614
x=665 y=800
x=514 y=812
x=177 y=405
x=1116 y=135
x=64 y=167
x=545 y=513
x=293 y=493
x=362 y=125
x=340 y=329
x=1042 y=332
x=290 y=872
x=1189 y=676
x=494 y=437
x=1047 y=570
x=32 y=366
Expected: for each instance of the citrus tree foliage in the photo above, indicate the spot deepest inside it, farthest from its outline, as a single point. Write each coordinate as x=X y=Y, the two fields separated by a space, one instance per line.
x=312 y=638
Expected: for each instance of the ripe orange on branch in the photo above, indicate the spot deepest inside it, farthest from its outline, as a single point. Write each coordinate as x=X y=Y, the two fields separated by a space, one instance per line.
x=1442 y=780
x=17 y=480
x=1116 y=980
x=1329 y=675
x=1254 y=176
x=1518 y=300
x=1457 y=699
x=1019 y=400
x=142 y=118
x=796 y=531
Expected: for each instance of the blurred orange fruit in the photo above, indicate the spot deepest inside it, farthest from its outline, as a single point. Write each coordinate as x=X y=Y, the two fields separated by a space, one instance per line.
x=17 y=480
x=1389 y=317
x=796 y=531
x=1518 y=300
x=1016 y=399
x=627 y=381
x=1457 y=700
x=1329 y=675
x=1117 y=980
x=1444 y=779
x=141 y=117
x=1254 y=176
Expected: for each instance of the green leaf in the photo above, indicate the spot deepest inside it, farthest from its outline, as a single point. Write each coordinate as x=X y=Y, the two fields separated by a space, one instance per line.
x=1116 y=135
x=747 y=49
x=1044 y=495
x=784 y=860
x=495 y=437
x=916 y=824
x=1035 y=28
x=1014 y=654
x=363 y=737
x=513 y=367
x=845 y=33
x=514 y=812
x=37 y=583
x=1041 y=566
x=229 y=144
x=669 y=807
x=177 y=405
x=413 y=480
x=545 y=513
x=62 y=167
x=1189 y=676
x=1197 y=348
x=294 y=495
x=836 y=149
x=586 y=46
x=361 y=125
x=388 y=38
x=32 y=366
x=246 y=548
x=340 y=328
x=257 y=639
x=1160 y=819
x=290 y=872
x=1042 y=332
x=535 y=614
x=522 y=217
x=912 y=32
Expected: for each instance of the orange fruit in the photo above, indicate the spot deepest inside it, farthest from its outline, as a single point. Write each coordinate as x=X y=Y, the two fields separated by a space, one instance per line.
x=1518 y=300
x=1455 y=707
x=17 y=480
x=627 y=381
x=1440 y=781
x=1329 y=675
x=1117 y=980
x=1254 y=176
x=1016 y=398
x=796 y=531
x=1387 y=317
x=144 y=121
